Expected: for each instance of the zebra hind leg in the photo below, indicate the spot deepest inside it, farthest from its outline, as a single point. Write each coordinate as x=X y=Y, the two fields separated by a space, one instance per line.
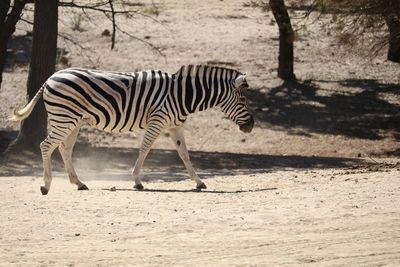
x=65 y=149
x=178 y=138
x=52 y=141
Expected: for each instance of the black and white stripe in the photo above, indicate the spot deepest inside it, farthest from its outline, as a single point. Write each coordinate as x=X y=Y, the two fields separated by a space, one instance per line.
x=116 y=102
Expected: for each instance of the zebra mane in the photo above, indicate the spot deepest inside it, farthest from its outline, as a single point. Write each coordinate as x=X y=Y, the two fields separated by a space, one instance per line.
x=185 y=69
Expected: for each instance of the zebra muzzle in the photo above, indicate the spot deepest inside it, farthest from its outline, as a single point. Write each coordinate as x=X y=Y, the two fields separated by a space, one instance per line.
x=247 y=126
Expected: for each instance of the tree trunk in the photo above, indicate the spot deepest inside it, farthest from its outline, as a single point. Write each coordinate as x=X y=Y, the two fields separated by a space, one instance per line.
x=7 y=27
x=393 y=24
x=286 y=39
x=42 y=65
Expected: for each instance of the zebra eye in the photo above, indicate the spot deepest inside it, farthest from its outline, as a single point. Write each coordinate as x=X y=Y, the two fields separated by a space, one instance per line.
x=242 y=99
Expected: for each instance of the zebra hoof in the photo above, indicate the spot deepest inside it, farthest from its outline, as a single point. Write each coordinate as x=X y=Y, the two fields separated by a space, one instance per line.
x=138 y=187
x=201 y=186
x=44 y=190
x=83 y=187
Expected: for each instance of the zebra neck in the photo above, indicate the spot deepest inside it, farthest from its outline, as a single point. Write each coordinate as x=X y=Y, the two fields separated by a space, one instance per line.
x=200 y=93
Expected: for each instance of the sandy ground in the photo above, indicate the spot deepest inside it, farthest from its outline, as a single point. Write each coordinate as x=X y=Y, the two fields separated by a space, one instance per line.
x=315 y=183
x=327 y=217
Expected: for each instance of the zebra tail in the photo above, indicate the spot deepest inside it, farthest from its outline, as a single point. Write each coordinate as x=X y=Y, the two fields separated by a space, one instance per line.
x=23 y=113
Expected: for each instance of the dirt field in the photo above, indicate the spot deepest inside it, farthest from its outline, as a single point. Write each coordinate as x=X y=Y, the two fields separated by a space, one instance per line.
x=316 y=182
x=329 y=217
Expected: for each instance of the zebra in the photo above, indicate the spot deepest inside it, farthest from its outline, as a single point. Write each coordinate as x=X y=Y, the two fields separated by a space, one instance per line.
x=123 y=102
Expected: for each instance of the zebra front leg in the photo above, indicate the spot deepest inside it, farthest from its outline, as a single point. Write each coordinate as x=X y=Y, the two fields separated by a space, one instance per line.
x=178 y=138
x=151 y=134
x=65 y=149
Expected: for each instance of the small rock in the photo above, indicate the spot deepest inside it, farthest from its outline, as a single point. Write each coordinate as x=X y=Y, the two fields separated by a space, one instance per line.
x=106 y=32
x=113 y=189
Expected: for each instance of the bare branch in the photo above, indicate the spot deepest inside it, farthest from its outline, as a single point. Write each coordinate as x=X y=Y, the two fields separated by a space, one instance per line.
x=97 y=7
x=113 y=24
x=158 y=50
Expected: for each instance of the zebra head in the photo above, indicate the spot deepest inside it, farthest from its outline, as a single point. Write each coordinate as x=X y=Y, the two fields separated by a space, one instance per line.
x=236 y=105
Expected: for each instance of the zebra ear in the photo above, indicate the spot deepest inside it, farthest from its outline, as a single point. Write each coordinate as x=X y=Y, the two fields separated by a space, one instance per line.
x=240 y=81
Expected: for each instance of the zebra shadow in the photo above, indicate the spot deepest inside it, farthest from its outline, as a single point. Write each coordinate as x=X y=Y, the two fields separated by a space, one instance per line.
x=111 y=163
x=191 y=190
x=104 y=163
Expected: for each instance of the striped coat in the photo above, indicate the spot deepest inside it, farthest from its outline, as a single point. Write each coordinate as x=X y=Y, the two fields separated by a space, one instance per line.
x=123 y=102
